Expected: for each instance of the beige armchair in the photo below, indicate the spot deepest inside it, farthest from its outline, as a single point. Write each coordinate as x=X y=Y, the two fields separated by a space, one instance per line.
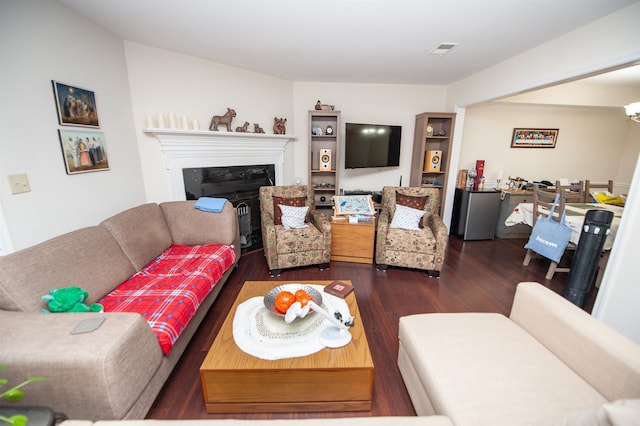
x=420 y=248
x=286 y=246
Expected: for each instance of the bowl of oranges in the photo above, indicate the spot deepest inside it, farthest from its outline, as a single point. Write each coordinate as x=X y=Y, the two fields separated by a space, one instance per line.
x=280 y=298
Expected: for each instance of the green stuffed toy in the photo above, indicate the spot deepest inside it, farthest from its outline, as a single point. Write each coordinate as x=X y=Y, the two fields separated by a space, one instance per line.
x=69 y=299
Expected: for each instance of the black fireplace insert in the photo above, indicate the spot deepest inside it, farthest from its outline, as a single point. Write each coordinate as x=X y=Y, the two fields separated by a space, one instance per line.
x=238 y=184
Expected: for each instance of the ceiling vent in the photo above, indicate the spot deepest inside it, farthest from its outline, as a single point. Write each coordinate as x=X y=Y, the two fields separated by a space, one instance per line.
x=443 y=48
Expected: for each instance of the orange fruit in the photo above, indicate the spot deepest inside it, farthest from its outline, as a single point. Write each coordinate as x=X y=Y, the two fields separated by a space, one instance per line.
x=303 y=297
x=284 y=300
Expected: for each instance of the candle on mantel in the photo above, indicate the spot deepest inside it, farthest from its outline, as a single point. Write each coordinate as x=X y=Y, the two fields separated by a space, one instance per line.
x=195 y=125
x=160 y=120
x=185 y=122
x=148 y=120
x=172 y=120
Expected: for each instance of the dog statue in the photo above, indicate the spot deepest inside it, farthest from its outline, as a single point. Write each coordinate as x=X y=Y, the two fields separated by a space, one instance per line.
x=243 y=128
x=257 y=128
x=279 y=127
x=225 y=119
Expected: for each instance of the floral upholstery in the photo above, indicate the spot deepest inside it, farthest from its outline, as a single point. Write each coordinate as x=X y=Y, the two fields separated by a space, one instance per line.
x=288 y=248
x=422 y=249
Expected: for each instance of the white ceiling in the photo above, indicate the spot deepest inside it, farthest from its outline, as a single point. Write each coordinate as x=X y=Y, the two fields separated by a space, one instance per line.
x=350 y=41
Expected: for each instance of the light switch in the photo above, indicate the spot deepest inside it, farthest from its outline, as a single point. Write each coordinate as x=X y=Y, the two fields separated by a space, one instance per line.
x=19 y=183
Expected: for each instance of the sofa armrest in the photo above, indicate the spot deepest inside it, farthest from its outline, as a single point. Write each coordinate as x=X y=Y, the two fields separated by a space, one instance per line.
x=381 y=235
x=88 y=376
x=437 y=226
x=441 y=234
x=323 y=224
x=607 y=360
x=269 y=239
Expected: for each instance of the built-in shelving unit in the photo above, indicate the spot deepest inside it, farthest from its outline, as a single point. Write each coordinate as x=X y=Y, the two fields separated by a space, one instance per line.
x=432 y=151
x=324 y=148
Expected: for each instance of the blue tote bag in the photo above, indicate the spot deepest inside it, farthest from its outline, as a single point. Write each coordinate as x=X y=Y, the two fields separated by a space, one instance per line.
x=548 y=237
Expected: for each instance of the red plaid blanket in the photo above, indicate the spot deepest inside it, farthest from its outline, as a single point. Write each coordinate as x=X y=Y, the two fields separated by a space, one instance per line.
x=168 y=291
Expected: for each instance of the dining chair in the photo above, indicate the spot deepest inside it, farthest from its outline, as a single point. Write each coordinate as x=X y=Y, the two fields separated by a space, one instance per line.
x=542 y=202
x=574 y=192
x=589 y=186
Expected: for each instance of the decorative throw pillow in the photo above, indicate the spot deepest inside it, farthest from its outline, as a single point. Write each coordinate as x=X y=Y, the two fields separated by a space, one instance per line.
x=413 y=201
x=281 y=201
x=293 y=217
x=407 y=218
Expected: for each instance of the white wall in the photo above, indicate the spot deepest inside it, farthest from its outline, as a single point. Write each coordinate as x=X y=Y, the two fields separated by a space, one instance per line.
x=617 y=301
x=628 y=165
x=40 y=41
x=371 y=104
x=591 y=142
x=163 y=82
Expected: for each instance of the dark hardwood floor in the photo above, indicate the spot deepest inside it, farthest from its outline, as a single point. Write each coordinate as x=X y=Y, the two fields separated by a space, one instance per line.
x=478 y=276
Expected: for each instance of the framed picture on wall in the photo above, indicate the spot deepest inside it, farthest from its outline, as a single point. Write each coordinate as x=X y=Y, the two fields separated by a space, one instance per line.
x=83 y=151
x=75 y=106
x=534 y=138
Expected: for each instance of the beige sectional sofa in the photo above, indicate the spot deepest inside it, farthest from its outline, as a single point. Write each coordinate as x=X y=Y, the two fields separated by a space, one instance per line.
x=116 y=371
x=346 y=421
x=548 y=363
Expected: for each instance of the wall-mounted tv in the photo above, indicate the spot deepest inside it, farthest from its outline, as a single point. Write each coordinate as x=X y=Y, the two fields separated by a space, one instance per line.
x=371 y=145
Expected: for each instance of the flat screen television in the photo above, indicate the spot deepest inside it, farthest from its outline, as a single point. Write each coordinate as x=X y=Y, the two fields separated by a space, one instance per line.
x=371 y=145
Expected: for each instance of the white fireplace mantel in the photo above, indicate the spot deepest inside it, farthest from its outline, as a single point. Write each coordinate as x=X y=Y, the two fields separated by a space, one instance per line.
x=201 y=148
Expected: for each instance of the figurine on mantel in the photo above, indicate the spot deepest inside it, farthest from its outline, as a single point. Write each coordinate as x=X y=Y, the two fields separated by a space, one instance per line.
x=225 y=119
x=324 y=107
x=257 y=128
x=279 y=127
x=243 y=128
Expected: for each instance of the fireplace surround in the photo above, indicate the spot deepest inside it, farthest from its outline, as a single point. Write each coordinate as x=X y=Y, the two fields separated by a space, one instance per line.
x=198 y=149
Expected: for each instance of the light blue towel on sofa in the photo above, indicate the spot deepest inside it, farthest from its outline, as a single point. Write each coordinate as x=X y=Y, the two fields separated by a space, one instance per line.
x=214 y=205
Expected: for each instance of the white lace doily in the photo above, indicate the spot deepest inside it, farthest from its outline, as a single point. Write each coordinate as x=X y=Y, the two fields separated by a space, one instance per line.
x=264 y=335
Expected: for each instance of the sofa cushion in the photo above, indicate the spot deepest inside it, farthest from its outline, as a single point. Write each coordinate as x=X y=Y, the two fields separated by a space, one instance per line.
x=89 y=258
x=624 y=412
x=402 y=240
x=190 y=226
x=482 y=369
x=142 y=232
x=298 y=240
x=607 y=360
x=169 y=291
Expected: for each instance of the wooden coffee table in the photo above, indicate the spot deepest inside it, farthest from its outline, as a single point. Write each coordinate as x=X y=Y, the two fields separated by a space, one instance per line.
x=329 y=380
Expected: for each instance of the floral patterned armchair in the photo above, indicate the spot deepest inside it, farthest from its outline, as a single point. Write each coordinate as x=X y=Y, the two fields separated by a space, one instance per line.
x=286 y=245
x=406 y=236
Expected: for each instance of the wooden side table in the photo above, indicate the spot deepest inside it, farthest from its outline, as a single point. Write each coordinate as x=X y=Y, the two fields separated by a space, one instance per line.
x=352 y=242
